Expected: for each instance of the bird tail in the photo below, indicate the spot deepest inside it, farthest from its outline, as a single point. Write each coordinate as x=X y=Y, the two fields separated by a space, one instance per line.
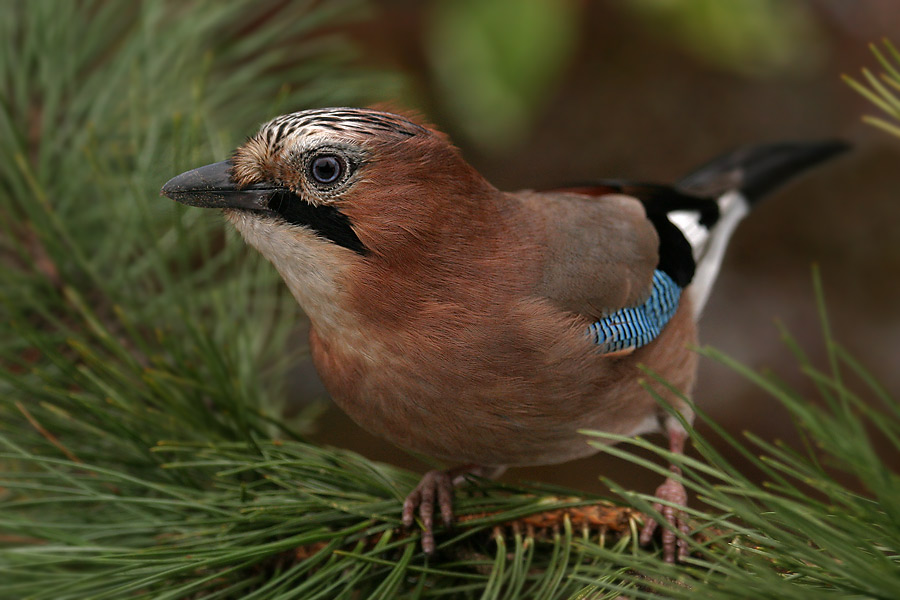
x=738 y=180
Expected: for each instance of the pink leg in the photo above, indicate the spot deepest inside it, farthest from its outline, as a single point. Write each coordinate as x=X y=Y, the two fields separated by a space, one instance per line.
x=671 y=491
x=439 y=485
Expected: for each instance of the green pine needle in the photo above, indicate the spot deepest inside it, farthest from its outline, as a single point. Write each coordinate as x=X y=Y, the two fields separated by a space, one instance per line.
x=883 y=91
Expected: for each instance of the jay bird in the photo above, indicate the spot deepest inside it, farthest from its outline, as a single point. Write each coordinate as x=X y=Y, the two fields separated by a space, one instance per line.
x=481 y=327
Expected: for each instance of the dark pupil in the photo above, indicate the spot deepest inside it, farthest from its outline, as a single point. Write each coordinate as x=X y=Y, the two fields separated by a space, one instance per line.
x=326 y=169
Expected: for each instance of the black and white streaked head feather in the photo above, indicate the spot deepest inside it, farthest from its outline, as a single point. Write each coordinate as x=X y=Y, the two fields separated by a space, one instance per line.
x=284 y=147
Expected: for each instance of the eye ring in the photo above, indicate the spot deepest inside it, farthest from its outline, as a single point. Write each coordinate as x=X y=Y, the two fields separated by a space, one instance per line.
x=326 y=169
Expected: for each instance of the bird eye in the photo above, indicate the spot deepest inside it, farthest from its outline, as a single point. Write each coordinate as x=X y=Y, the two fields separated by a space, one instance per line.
x=326 y=168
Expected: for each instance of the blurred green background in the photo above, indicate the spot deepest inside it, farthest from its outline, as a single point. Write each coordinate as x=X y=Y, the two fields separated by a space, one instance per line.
x=539 y=93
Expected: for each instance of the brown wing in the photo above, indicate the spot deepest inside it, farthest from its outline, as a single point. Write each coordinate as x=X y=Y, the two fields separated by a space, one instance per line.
x=599 y=253
x=676 y=256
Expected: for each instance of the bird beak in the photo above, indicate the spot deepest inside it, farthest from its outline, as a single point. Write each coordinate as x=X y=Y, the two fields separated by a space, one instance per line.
x=212 y=187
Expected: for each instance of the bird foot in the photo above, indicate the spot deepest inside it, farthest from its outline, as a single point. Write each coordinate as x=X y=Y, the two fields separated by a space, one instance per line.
x=670 y=491
x=439 y=486
x=434 y=485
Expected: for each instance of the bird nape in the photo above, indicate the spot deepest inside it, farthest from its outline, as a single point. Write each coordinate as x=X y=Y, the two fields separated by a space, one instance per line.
x=481 y=327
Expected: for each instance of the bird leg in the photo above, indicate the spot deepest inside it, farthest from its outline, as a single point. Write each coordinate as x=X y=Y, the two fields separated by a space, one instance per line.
x=671 y=491
x=436 y=487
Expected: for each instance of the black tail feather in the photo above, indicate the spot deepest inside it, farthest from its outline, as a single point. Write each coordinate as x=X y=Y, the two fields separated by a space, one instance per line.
x=758 y=170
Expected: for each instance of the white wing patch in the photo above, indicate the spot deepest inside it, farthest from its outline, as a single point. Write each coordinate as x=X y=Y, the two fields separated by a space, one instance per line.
x=709 y=245
x=688 y=221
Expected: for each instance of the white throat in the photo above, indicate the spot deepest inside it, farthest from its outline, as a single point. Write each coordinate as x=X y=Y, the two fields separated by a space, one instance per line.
x=313 y=268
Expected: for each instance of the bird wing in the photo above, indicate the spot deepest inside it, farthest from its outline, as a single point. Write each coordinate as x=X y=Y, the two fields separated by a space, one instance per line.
x=682 y=221
x=607 y=242
x=598 y=254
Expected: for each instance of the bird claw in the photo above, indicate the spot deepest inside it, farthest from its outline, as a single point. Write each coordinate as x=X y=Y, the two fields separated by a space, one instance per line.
x=670 y=491
x=435 y=485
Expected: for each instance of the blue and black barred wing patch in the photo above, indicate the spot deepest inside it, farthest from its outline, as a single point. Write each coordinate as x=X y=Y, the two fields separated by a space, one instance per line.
x=639 y=325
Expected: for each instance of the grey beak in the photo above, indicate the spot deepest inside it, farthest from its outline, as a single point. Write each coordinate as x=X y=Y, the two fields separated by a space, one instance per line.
x=212 y=187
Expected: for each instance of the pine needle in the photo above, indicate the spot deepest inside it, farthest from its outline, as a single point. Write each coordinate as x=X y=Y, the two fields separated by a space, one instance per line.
x=877 y=89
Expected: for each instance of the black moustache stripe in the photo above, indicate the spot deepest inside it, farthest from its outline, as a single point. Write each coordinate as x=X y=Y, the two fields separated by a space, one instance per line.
x=325 y=220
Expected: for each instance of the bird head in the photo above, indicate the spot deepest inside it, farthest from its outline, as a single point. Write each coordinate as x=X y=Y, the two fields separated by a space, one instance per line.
x=321 y=193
